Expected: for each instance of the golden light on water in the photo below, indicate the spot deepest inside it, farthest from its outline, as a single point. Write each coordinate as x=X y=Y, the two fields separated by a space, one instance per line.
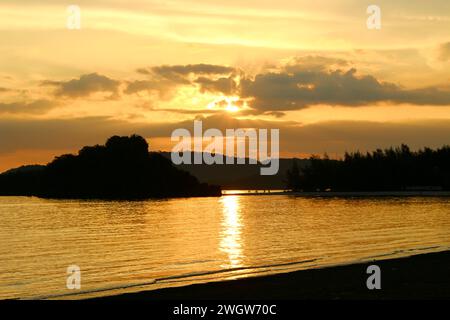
x=231 y=242
x=130 y=242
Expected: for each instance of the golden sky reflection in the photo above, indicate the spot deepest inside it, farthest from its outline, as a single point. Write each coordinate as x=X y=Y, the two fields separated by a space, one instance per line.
x=231 y=241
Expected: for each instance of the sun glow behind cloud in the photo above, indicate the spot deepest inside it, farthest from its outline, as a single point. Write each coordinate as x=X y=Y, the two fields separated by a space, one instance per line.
x=224 y=103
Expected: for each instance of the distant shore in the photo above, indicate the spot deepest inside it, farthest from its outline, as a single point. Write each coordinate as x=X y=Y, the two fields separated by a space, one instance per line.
x=342 y=193
x=424 y=276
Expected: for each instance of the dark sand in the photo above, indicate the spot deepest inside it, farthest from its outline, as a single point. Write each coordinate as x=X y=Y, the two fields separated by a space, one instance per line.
x=425 y=276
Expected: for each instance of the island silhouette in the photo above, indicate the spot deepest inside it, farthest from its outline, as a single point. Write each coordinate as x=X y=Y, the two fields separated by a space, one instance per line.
x=123 y=168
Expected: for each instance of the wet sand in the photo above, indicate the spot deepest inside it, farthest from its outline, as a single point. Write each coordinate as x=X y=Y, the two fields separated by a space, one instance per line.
x=425 y=276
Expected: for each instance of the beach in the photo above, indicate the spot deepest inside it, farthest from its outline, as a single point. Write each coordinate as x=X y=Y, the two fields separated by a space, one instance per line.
x=424 y=276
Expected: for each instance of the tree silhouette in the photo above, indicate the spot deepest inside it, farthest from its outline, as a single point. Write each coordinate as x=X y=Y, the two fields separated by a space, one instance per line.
x=381 y=170
x=123 y=168
x=293 y=177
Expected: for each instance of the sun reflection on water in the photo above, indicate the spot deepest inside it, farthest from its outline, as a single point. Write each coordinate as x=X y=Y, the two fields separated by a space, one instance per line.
x=231 y=242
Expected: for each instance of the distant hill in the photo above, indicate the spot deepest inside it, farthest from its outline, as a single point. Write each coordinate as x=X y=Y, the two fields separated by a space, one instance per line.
x=123 y=168
x=240 y=176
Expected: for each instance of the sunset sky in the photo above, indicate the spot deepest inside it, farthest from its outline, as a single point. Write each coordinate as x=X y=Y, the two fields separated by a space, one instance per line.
x=310 y=68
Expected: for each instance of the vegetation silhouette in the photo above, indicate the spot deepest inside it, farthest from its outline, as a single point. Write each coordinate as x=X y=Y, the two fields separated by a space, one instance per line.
x=392 y=169
x=123 y=168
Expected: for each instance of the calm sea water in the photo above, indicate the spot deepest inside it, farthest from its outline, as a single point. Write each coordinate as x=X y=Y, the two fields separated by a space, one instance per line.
x=130 y=246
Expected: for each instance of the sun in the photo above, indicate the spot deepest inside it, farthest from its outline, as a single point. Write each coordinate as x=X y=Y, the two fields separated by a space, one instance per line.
x=227 y=103
x=231 y=104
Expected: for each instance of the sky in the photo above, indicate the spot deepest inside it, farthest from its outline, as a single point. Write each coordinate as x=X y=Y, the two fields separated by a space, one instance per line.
x=312 y=69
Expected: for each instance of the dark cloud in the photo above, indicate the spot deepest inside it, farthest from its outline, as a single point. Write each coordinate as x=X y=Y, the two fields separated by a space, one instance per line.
x=296 y=88
x=33 y=107
x=336 y=137
x=84 y=86
x=143 y=71
x=163 y=79
x=223 y=85
x=300 y=83
x=333 y=137
x=52 y=134
x=141 y=85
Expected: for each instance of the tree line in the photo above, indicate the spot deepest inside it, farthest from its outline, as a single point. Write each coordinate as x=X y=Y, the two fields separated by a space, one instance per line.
x=391 y=169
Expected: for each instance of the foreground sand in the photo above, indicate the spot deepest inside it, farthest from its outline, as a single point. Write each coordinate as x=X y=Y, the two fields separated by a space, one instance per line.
x=423 y=276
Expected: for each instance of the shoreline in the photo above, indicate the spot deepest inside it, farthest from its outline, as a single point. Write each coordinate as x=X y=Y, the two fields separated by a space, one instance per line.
x=307 y=194
x=422 y=276
x=345 y=193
